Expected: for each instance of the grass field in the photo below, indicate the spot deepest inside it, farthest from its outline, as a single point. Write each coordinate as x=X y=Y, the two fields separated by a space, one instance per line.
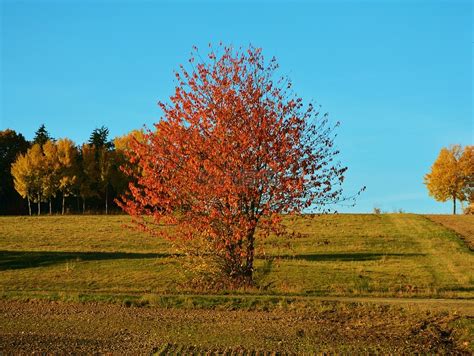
x=376 y=261
x=393 y=255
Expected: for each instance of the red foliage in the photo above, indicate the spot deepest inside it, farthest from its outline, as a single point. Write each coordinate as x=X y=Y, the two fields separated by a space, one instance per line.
x=234 y=149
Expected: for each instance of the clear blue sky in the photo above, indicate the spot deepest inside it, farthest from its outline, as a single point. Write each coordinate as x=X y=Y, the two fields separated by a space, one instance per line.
x=397 y=74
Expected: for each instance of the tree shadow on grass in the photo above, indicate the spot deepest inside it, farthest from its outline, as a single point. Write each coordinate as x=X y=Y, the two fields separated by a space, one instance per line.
x=460 y=289
x=358 y=256
x=31 y=259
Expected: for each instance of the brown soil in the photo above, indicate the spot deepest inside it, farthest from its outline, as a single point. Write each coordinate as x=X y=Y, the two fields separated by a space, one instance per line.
x=58 y=327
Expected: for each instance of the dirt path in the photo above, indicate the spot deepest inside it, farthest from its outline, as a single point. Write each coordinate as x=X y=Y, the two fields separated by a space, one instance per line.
x=58 y=327
x=462 y=306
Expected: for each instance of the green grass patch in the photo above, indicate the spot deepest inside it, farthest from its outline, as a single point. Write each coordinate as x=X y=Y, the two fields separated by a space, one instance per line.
x=387 y=255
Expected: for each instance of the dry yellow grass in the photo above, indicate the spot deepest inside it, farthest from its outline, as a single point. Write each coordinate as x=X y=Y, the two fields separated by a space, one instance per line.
x=462 y=224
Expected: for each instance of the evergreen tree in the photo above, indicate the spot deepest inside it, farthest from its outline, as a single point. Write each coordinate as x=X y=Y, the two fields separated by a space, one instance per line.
x=89 y=174
x=103 y=153
x=100 y=138
x=42 y=136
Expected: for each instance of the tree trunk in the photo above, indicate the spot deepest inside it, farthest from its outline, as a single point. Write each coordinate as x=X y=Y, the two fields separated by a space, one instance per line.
x=454 y=205
x=62 y=210
x=106 y=202
x=39 y=205
x=248 y=277
x=29 y=204
x=83 y=205
x=50 y=210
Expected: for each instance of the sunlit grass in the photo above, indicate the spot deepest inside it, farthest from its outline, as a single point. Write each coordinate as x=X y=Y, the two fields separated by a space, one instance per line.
x=462 y=224
x=396 y=255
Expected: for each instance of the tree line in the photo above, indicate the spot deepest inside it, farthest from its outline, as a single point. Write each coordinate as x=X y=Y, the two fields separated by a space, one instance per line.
x=60 y=174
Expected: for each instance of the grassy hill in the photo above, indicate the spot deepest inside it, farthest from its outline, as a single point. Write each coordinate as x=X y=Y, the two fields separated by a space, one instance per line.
x=389 y=255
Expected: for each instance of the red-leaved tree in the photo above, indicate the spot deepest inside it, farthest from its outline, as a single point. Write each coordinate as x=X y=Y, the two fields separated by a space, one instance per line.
x=234 y=151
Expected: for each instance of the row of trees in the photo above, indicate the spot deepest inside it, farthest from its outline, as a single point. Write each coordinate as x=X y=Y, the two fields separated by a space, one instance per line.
x=54 y=171
x=452 y=176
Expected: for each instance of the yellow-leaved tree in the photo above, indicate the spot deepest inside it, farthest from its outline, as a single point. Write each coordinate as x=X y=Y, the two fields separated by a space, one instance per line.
x=105 y=172
x=51 y=171
x=28 y=173
x=451 y=175
x=123 y=148
x=69 y=170
x=467 y=167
